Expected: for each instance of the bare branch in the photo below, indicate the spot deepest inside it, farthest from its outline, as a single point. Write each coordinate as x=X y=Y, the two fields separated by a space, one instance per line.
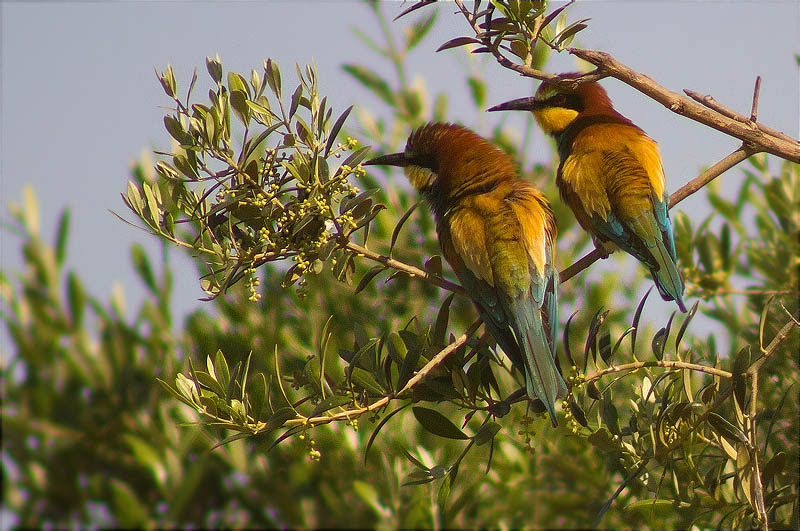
x=751 y=292
x=659 y=363
x=711 y=103
x=401 y=266
x=756 y=91
x=775 y=145
x=709 y=175
x=583 y=262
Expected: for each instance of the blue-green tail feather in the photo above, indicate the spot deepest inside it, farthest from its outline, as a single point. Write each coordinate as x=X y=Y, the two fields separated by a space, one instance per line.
x=649 y=239
x=542 y=378
x=667 y=278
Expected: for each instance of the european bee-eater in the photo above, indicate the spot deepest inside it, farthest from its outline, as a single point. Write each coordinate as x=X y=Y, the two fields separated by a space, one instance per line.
x=610 y=175
x=497 y=232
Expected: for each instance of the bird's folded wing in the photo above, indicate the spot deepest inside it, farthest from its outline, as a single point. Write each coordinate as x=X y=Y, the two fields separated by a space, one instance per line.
x=617 y=195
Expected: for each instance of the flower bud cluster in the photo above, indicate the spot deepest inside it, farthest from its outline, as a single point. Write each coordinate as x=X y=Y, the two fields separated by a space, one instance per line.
x=572 y=424
x=296 y=214
x=313 y=452
x=529 y=433
x=252 y=284
x=575 y=378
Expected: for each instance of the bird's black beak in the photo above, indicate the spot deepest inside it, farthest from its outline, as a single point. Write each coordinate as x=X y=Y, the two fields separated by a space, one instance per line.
x=522 y=104
x=393 y=159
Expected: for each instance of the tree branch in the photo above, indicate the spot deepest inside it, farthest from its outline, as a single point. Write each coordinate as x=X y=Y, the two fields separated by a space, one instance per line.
x=757 y=488
x=755 y=137
x=406 y=268
x=782 y=334
x=746 y=131
x=713 y=104
x=413 y=382
x=754 y=108
x=707 y=111
x=659 y=363
x=710 y=174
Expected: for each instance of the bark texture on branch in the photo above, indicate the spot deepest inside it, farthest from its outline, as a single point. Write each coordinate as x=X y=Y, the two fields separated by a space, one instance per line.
x=745 y=130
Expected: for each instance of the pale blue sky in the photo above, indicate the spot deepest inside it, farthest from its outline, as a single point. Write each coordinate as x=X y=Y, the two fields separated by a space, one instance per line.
x=80 y=100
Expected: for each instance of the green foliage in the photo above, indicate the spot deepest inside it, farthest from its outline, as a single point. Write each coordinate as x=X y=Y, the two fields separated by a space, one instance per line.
x=365 y=397
x=523 y=29
x=273 y=198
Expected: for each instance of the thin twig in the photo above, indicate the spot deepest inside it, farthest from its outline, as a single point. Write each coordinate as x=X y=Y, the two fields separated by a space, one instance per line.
x=751 y=292
x=757 y=489
x=440 y=357
x=756 y=91
x=787 y=312
x=711 y=103
x=782 y=334
x=659 y=363
x=583 y=262
x=401 y=266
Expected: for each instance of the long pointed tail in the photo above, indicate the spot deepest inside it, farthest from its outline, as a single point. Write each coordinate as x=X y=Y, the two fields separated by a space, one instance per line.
x=667 y=279
x=542 y=379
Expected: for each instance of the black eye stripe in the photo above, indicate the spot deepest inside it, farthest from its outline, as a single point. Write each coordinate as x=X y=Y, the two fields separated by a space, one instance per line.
x=424 y=160
x=567 y=101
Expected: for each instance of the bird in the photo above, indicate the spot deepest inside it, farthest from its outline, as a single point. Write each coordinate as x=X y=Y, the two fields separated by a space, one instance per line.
x=610 y=175
x=498 y=233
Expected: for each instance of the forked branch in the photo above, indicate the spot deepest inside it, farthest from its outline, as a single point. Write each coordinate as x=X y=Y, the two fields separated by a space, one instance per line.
x=718 y=117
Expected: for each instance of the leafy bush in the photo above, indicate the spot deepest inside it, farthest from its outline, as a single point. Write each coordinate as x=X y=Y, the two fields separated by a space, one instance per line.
x=365 y=396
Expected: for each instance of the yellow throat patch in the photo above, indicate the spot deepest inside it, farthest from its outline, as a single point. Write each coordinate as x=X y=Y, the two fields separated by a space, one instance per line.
x=554 y=119
x=421 y=178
